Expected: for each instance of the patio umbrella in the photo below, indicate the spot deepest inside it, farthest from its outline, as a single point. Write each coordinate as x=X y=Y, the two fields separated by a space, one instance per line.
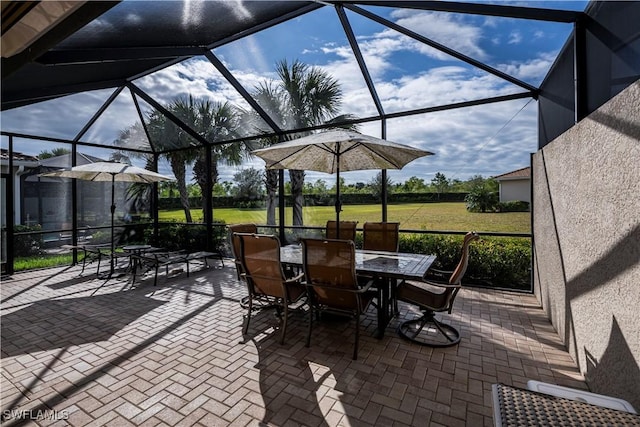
x=109 y=171
x=338 y=150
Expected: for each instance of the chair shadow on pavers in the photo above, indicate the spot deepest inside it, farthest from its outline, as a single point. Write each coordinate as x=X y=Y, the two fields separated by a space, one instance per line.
x=319 y=385
x=57 y=323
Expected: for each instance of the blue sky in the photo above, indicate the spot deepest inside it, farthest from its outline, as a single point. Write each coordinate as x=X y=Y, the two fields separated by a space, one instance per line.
x=487 y=140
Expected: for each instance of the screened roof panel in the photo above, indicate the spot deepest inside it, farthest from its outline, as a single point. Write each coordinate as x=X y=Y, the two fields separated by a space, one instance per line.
x=410 y=75
x=517 y=47
x=71 y=114
x=197 y=77
x=171 y=23
x=134 y=38
x=36 y=82
x=119 y=125
x=315 y=39
x=220 y=50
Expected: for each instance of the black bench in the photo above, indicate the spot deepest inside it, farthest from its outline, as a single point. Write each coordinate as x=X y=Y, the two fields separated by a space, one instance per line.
x=96 y=252
x=156 y=260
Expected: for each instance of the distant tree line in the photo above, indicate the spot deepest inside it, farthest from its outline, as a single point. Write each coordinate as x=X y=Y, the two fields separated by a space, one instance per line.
x=249 y=184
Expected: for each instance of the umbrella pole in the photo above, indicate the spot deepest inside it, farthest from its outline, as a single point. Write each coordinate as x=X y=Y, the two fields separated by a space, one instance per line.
x=338 y=201
x=113 y=211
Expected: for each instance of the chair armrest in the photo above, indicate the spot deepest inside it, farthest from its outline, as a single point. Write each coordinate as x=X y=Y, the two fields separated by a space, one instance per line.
x=366 y=287
x=360 y=290
x=432 y=283
x=434 y=273
x=296 y=279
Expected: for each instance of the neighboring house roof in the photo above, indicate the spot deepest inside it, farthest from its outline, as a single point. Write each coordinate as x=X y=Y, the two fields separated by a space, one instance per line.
x=64 y=160
x=4 y=155
x=19 y=160
x=523 y=173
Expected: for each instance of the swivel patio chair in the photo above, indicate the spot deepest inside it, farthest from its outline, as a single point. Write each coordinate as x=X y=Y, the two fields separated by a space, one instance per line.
x=262 y=270
x=332 y=285
x=433 y=297
x=347 y=230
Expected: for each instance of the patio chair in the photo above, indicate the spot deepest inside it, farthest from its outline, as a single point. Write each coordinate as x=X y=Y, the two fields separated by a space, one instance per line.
x=381 y=236
x=332 y=285
x=262 y=270
x=235 y=243
x=433 y=297
x=347 y=230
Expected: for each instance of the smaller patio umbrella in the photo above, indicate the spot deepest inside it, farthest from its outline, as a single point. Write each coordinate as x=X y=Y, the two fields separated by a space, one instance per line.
x=109 y=171
x=339 y=150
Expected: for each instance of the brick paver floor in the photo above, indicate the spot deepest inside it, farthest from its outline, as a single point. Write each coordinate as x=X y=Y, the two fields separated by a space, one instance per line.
x=82 y=351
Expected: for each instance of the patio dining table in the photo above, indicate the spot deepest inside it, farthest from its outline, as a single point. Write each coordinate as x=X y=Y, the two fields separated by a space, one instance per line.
x=379 y=264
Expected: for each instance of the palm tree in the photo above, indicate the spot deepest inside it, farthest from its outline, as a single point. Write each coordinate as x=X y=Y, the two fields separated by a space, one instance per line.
x=216 y=121
x=303 y=97
x=138 y=195
x=167 y=136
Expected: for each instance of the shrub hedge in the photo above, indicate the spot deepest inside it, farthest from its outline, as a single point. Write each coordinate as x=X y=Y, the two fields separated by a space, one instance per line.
x=503 y=262
x=27 y=244
x=175 y=236
x=513 y=206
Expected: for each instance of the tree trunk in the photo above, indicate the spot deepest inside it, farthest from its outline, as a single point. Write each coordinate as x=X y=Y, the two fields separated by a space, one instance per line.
x=297 y=183
x=271 y=183
x=179 y=170
x=200 y=175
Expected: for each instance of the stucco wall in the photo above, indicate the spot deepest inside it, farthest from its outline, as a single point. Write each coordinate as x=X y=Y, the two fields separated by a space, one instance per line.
x=517 y=189
x=586 y=210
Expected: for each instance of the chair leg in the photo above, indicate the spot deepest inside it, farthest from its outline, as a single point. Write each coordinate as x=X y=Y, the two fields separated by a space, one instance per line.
x=84 y=261
x=134 y=272
x=250 y=307
x=284 y=322
x=310 y=326
x=98 y=270
x=355 y=346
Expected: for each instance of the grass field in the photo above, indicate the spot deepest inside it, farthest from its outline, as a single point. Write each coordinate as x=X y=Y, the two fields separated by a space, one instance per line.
x=412 y=216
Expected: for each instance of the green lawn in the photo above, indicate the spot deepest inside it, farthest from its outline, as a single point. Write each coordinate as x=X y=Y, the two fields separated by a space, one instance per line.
x=412 y=216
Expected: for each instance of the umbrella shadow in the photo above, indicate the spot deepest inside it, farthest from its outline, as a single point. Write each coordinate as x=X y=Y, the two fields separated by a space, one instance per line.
x=53 y=324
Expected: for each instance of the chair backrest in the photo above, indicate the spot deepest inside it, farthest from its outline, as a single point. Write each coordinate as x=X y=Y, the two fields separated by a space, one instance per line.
x=331 y=265
x=239 y=228
x=347 y=230
x=260 y=259
x=381 y=236
x=461 y=269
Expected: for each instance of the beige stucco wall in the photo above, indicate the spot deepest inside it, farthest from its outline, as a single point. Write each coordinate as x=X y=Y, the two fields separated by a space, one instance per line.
x=517 y=189
x=586 y=210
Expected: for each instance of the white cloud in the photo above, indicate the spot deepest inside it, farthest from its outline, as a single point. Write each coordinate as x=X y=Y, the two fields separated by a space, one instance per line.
x=515 y=37
x=451 y=29
x=533 y=70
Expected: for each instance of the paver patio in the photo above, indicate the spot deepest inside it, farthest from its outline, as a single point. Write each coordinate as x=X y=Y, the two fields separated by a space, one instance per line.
x=96 y=352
